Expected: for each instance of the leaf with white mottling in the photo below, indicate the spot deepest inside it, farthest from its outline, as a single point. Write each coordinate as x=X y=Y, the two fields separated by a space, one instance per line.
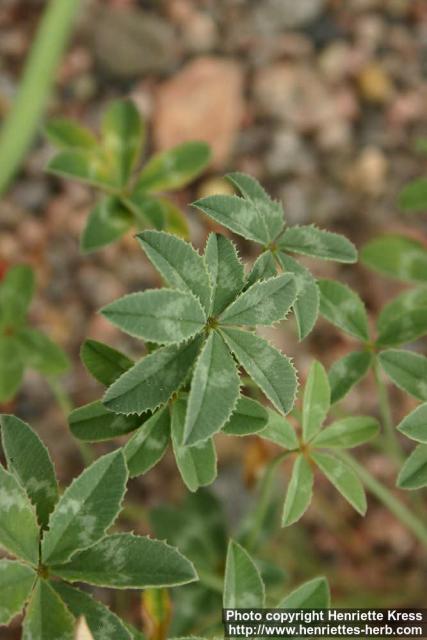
x=91 y=167
x=317 y=401
x=265 y=302
x=347 y=432
x=148 y=445
x=94 y=423
x=243 y=585
x=299 y=493
x=414 y=425
x=125 y=561
x=263 y=268
x=19 y=533
x=348 y=371
x=16 y=581
x=102 y=623
x=151 y=381
x=47 y=617
x=407 y=327
x=306 y=306
x=407 y=370
x=178 y=263
x=225 y=271
x=280 y=431
x=215 y=389
x=401 y=305
x=270 y=370
x=163 y=316
x=344 y=308
x=248 y=417
x=29 y=460
x=270 y=212
x=311 y=241
x=86 y=509
x=197 y=464
x=103 y=362
x=344 y=479
x=413 y=474
x=313 y=594
x=397 y=257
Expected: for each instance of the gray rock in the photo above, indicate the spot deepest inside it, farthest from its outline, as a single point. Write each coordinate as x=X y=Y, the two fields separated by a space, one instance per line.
x=273 y=15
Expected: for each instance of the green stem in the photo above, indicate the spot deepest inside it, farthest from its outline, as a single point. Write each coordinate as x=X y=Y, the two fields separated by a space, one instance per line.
x=391 y=441
x=24 y=116
x=64 y=401
x=384 y=495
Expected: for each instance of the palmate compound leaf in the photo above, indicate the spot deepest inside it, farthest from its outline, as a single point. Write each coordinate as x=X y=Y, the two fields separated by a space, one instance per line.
x=94 y=423
x=413 y=197
x=174 y=168
x=414 y=425
x=413 y=474
x=270 y=212
x=344 y=479
x=16 y=581
x=225 y=270
x=396 y=256
x=29 y=460
x=122 y=132
x=103 y=362
x=311 y=241
x=271 y=370
x=343 y=308
x=152 y=381
x=306 y=306
x=87 y=508
x=299 y=493
x=347 y=432
x=19 y=533
x=215 y=389
x=179 y=264
x=313 y=594
x=102 y=623
x=164 y=316
x=317 y=401
x=148 y=444
x=348 y=371
x=125 y=561
x=403 y=329
x=243 y=585
x=107 y=222
x=407 y=370
x=264 y=303
x=197 y=464
x=47 y=617
x=248 y=417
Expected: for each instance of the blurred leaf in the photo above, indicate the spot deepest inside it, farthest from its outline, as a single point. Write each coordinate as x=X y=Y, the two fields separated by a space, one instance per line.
x=280 y=431
x=160 y=213
x=106 y=223
x=103 y=362
x=29 y=460
x=157 y=613
x=343 y=308
x=197 y=464
x=402 y=329
x=68 y=134
x=215 y=389
x=347 y=372
x=248 y=417
x=397 y=256
x=47 y=617
x=11 y=367
x=407 y=370
x=414 y=425
x=413 y=474
x=243 y=586
x=413 y=197
x=16 y=292
x=347 y=432
x=313 y=594
x=94 y=423
x=317 y=401
x=152 y=380
x=344 y=479
x=269 y=368
x=311 y=241
x=148 y=445
x=86 y=166
x=299 y=493
x=225 y=271
x=306 y=306
x=16 y=581
x=174 y=168
x=40 y=353
x=401 y=305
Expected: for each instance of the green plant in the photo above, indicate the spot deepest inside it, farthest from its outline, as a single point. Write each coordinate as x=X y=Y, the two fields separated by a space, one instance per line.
x=66 y=537
x=110 y=163
x=21 y=346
